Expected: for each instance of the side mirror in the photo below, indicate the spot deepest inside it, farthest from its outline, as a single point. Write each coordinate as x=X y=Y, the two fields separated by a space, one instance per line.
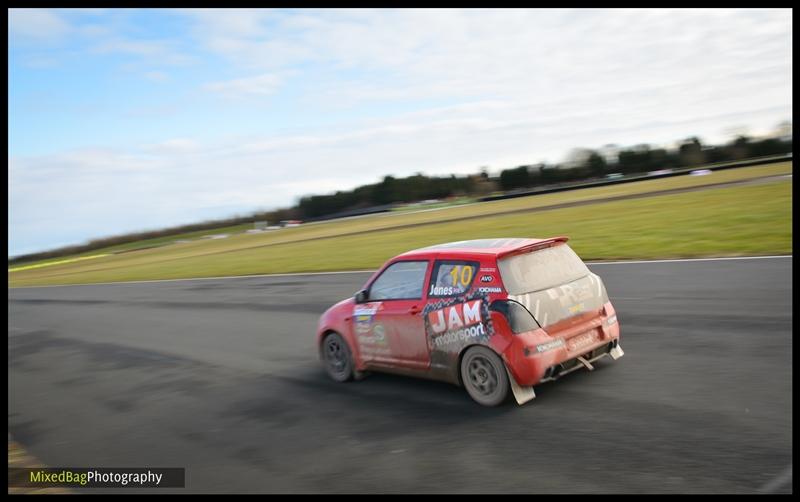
x=361 y=296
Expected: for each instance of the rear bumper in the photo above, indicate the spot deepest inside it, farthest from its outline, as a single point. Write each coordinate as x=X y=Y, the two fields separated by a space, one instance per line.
x=612 y=350
x=538 y=357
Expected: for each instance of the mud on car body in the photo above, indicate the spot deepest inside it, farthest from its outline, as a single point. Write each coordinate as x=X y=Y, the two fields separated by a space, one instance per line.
x=491 y=315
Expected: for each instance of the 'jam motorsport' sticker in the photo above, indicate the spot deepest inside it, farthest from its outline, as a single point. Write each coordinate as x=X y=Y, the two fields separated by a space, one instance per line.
x=452 y=324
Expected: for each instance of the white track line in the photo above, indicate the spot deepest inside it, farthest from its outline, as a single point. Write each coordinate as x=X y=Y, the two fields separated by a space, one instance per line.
x=687 y=259
x=371 y=271
x=781 y=479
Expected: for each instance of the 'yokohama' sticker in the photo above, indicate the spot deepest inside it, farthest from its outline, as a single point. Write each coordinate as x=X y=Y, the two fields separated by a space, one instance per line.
x=544 y=347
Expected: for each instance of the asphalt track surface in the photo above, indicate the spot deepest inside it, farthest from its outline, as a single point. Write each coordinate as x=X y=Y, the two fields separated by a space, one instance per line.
x=221 y=377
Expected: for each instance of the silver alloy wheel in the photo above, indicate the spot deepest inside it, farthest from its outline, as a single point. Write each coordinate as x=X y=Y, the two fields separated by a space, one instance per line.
x=337 y=359
x=484 y=376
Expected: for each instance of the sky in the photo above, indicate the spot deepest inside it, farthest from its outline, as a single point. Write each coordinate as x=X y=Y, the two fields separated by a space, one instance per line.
x=125 y=120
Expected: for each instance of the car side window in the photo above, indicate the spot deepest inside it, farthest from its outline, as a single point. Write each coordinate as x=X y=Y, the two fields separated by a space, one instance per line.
x=452 y=278
x=403 y=280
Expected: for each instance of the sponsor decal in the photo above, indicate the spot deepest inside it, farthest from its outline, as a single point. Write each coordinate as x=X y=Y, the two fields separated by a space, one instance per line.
x=544 y=347
x=490 y=290
x=581 y=340
x=570 y=294
x=452 y=279
x=455 y=316
x=367 y=309
x=487 y=278
x=488 y=269
x=363 y=316
x=379 y=333
x=461 y=335
x=443 y=291
x=374 y=343
x=457 y=322
x=577 y=308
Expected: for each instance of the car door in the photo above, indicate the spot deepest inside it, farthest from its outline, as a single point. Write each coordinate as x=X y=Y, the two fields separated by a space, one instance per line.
x=456 y=316
x=395 y=335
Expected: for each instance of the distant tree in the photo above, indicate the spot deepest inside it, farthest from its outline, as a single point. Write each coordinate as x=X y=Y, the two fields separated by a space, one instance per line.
x=517 y=177
x=660 y=158
x=596 y=165
x=635 y=159
x=482 y=185
x=739 y=148
x=691 y=152
x=384 y=191
x=548 y=174
x=769 y=146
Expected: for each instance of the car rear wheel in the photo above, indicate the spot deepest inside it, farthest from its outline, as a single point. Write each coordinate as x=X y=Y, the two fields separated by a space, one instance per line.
x=337 y=358
x=484 y=376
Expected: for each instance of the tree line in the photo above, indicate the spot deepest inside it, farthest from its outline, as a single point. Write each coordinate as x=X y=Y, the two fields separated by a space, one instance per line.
x=391 y=190
x=580 y=165
x=588 y=164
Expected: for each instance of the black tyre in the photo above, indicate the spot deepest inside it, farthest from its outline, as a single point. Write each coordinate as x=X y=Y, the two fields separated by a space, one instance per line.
x=484 y=376
x=337 y=358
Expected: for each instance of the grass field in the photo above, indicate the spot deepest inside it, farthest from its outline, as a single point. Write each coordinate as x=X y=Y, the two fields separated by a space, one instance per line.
x=739 y=220
x=141 y=244
x=239 y=239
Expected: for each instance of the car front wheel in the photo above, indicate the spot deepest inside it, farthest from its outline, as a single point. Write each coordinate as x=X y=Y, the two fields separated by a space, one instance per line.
x=484 y=376
x=336 y=357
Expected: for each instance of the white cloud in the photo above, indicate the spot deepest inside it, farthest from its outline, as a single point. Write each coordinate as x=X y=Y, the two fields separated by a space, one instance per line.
x=173 y=146
x=488 y=87
x=264 y=84
x=151 y=51
x=36 y=24
x=517 y=54
x=157 y=76
x=243 y=22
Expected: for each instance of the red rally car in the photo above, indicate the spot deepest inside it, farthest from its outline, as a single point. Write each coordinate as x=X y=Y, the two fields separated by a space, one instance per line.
x=488 y=314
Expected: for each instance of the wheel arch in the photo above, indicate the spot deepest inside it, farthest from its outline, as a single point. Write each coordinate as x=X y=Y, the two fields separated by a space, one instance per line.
x=325 y=333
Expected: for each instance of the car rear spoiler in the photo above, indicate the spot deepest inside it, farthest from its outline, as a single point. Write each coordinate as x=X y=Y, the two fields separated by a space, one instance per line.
x=527 y=248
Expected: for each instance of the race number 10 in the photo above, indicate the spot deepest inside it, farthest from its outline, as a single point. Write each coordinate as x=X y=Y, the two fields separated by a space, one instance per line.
x=461 y=274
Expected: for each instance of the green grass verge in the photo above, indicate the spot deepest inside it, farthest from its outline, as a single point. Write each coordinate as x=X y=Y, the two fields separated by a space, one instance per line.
x=309 y=231
x=745 y=220
x=138 y=245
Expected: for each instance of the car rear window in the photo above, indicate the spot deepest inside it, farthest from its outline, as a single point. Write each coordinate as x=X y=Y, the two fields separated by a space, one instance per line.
x=451 y=278
x=542 y=269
